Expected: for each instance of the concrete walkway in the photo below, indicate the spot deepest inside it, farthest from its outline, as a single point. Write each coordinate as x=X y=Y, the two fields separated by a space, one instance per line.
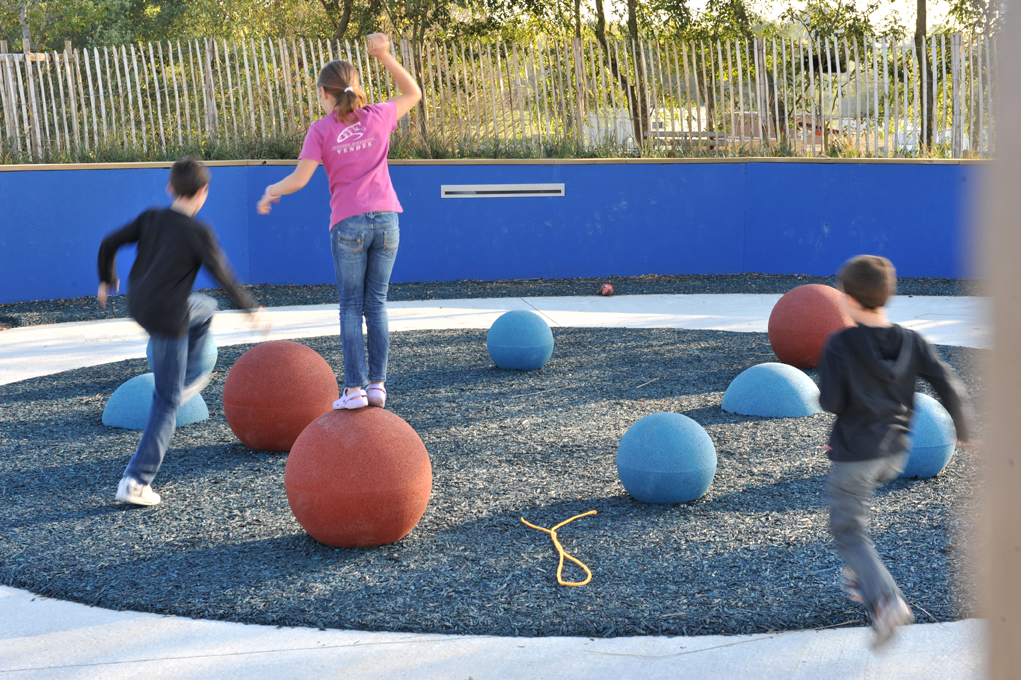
x=42 y=638
x=33 y=351
x=51 y=640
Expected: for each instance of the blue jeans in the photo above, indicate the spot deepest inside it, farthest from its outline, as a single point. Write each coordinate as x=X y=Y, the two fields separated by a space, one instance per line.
x=176 y=362
x=364 y=249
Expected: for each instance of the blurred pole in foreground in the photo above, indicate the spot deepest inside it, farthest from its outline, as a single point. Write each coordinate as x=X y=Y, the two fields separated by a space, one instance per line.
x=1001 y=238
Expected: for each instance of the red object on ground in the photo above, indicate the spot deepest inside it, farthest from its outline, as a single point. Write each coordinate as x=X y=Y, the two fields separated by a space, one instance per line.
x=274 y=391
x=358 y=478
x=606 y=289
x=802 y=320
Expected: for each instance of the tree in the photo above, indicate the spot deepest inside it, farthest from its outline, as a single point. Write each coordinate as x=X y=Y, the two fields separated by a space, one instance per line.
x=723 y=20
x=923 y=62
x=339 y=12
x=825 y=19
x=977 y=16
x=46 y=24
x=637 y=102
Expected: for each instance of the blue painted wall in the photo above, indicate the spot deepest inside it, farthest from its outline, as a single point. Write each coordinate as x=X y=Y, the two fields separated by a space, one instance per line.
x=616 y=219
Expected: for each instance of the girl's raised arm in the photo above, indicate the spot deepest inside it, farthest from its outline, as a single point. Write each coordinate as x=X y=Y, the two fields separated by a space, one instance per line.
x=379 y=47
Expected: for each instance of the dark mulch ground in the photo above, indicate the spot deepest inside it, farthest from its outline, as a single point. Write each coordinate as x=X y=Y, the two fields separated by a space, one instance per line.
x=752 y=555
x=88 y=309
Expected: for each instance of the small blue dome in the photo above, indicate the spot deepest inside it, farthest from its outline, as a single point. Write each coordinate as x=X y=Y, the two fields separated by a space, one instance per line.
x=209 y=354
x=666 y=458
x=129 y=405
x=933 y=439
x=520 y=340
x=772 y=390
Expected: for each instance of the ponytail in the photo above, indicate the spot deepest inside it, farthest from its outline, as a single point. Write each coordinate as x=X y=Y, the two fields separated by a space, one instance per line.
x=340 y=80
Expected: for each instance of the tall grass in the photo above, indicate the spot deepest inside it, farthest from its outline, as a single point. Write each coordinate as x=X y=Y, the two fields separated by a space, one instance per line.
x=409 y=147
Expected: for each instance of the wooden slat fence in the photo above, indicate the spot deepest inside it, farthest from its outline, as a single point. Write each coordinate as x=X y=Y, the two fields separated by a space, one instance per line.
x=768 y=95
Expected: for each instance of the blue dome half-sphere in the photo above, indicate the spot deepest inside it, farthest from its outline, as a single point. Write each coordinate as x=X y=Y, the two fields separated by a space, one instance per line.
x=772 y=390
x=208 y=355
x=129 y=405
x=933 y=439
x=520 y=340
x=666 y=458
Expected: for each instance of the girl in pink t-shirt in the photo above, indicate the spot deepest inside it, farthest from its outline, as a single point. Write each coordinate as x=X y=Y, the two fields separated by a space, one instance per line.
x=351 y=142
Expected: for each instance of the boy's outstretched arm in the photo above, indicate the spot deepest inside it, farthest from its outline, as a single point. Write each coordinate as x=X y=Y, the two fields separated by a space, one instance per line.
x=107 y=260
x=832 y=381
x=104 y=291
x=213 y=259
x=949 y=388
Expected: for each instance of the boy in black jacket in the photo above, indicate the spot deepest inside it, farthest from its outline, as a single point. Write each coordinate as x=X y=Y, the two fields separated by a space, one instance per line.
x=172 y=246
x=867 y=378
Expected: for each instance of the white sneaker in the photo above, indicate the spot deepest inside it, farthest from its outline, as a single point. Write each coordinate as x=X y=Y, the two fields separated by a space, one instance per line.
x=131 y=491
x=356 y=399
x=189 y=391
x=890 y=613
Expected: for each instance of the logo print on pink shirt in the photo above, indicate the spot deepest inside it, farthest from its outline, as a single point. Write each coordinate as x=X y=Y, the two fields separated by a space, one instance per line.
x=351 y=134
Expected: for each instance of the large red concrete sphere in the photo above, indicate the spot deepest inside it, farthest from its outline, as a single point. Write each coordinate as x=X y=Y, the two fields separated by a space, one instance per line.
x=802 y=320
x=274 y=391
x=358 y=478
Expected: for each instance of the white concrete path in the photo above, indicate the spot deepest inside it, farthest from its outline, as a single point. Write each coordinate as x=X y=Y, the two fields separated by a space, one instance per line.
x=33 y=351
x=53 y=640
x=42 y=638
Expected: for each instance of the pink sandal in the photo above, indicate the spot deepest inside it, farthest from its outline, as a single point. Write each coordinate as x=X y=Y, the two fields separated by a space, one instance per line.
x=376 y=395
x=356 y=399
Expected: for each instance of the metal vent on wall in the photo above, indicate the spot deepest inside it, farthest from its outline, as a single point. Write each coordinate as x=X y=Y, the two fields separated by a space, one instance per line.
x=500 y=190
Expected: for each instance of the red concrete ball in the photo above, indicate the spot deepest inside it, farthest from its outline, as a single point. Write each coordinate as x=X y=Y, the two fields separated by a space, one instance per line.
x=274 y=391
x=358 y=478
x=802 y=320
x=606 y=289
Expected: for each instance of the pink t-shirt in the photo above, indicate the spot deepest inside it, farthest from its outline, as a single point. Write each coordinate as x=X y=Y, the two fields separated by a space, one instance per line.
x=354 y=157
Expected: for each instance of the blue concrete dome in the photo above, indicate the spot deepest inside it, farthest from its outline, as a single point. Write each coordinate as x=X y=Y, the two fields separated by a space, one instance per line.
x=666 y=458
x=772 y=390
x=209 y=354
x=520 y=340
x=129 y=405
x=933 y=438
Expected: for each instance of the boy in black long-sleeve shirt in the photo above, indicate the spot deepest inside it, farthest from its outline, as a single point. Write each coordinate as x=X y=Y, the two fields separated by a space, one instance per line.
x=867 y=378
x=172 y=246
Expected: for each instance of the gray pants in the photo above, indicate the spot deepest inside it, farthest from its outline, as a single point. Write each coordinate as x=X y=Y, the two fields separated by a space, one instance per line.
x=849 y=487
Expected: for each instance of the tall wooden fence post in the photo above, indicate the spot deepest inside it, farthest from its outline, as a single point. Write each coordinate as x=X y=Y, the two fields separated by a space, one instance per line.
x=580 y=92
x=68 y=58
x=9 y=102
x=37 y=140
x=212 y=114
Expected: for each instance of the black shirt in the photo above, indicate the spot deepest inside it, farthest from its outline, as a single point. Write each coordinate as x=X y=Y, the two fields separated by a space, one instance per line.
x=171 y=249
x=867 y=378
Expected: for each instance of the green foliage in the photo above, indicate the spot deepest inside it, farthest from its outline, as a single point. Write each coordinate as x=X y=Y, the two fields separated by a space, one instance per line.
x=276 y=148
x=51 y=22
x=412 y=147
x=978 y=16
x=89 y=23
x=822 y=18
x=723 y=20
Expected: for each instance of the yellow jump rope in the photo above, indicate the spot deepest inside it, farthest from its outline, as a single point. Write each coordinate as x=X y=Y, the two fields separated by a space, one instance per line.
x=563 y=553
